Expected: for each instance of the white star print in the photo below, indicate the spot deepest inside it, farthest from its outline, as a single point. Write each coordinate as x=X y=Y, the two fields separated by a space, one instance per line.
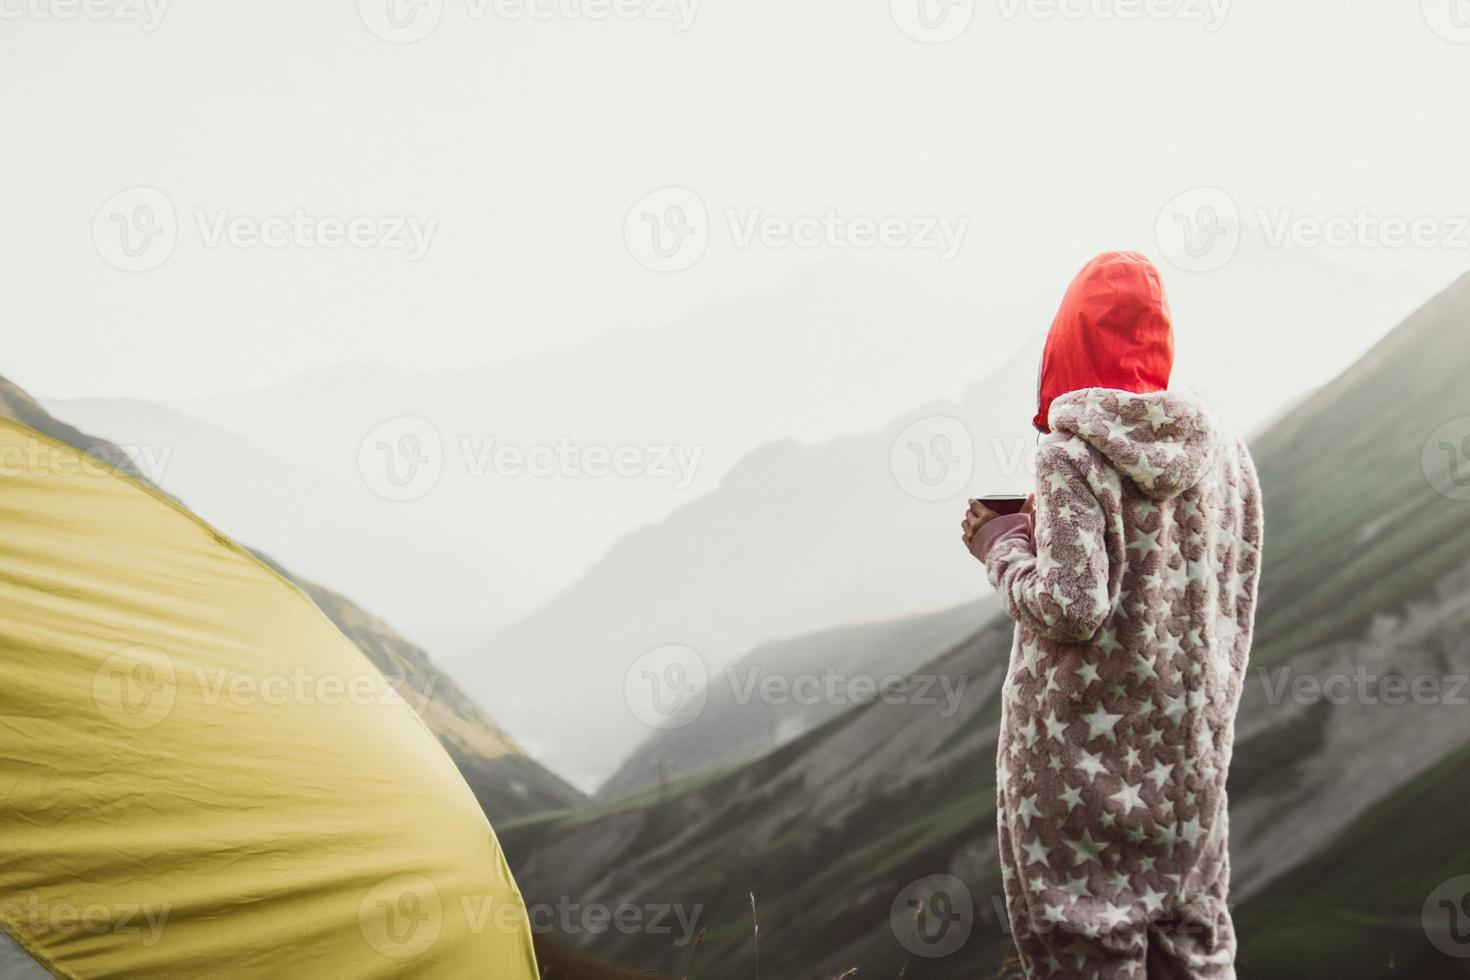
x=1055 y=727
x=1144 y=544
x=1092 y=764
x=1030 y=656
x=1118 y=431
x=1156 y=416
x=1173 y=708
x=1145 y=471
x=1142 y=669
x=1100 y=723
x=1128 y=797
x=1107 y=641
x=1086 y=849
x=1113 y=915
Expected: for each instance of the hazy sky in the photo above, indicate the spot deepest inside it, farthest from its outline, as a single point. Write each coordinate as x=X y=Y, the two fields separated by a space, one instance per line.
x=509 y=149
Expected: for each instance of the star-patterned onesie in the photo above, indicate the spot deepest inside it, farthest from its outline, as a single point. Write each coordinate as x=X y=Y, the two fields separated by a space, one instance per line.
x=1133 y=589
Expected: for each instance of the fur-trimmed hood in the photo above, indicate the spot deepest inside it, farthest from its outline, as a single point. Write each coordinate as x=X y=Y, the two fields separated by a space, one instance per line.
x=1164 y=441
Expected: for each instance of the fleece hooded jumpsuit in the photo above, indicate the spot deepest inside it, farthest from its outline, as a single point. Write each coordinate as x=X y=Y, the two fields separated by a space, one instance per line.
x=1133 y=589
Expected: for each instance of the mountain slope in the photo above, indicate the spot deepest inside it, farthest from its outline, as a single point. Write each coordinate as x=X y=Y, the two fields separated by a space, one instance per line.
x=782 y=690
x=1342 y=811
x=796 y=539
x=506 y=782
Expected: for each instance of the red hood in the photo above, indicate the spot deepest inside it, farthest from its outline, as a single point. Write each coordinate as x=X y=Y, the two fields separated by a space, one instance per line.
x=1113 y=331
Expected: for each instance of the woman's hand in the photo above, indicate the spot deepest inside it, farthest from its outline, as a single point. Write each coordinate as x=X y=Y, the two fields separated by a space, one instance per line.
x=979 y=515
x=975 y=518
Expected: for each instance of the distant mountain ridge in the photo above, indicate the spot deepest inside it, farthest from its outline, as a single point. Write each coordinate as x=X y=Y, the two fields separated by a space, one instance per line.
x=1343 y=815
x=800 y=537
x=507 y=783
x=796 y=539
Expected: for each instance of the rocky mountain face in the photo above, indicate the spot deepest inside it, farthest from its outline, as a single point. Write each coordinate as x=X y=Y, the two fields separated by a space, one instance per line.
x=1348 y=784
x=796 y=539
x=507 y=783
x=782 y=690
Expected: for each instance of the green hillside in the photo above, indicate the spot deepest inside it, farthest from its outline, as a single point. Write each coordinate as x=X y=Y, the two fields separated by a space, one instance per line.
x=1354 y=908
x=1345 y=493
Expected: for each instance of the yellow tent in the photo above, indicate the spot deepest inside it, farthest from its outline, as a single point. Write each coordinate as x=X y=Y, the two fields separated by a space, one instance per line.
x=199 y=775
